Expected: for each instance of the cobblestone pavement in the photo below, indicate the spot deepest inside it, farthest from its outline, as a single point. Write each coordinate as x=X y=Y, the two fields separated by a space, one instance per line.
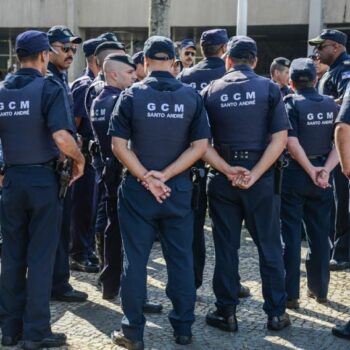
x=89 y=325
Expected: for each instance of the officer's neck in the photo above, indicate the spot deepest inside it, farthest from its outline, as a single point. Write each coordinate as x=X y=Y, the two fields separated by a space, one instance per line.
x=33 y=65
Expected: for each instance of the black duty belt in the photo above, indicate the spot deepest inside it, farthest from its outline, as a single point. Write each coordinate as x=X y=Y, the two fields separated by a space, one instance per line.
x=246 y=155
x=226 y=152
x=317 y=156
x=50 y=164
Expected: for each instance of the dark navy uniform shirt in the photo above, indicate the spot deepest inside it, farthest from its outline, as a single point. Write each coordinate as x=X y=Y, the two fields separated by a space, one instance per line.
x=335 y=80
x=54 y=106
x=344 y=113
x=286 y=90
x=61 y=77
x=200 y=75
x=93 y=91
x=101 y=110
x=79 y=89
x=159 y=123
x=312 y=116
x=244 y=109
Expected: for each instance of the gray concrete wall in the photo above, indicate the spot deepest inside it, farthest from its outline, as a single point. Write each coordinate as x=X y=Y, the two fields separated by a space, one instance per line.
x=134 y=13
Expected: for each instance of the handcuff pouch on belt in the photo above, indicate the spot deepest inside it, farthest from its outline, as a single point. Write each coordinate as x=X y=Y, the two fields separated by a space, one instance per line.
x=281 y=162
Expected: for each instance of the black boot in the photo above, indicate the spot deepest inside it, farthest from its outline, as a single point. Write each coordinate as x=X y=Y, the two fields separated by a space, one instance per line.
x=224 y=319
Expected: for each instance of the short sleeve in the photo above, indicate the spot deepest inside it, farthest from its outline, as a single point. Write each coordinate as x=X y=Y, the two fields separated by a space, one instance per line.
x=79 y=92
x=120 y=123
x=344 y=113
x=56 y=108
x=278 y=119
x=200 y=128
x=293 y=116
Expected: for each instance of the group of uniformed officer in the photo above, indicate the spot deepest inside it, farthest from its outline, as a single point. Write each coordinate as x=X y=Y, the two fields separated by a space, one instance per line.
x=137 y=144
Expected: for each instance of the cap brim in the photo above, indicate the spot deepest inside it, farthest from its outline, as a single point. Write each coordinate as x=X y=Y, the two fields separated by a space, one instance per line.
x=75 y=40
x=71 y=39
x=316 y=41
x=188 y=47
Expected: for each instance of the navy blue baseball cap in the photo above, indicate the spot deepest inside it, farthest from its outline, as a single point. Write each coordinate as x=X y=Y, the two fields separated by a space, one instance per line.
x=108 y=36
x=89 y=46
x=302 y=69
x=241 y=46
x=109 y=45
x=187 y=43
x=329 y=34
x=62 y=34
x=214 y=37
x=121 y=58
x=138 y=57
x=159 y=48
x=31 y=42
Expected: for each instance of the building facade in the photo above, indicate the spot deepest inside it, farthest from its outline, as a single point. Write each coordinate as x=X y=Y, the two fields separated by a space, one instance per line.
x=280 y=27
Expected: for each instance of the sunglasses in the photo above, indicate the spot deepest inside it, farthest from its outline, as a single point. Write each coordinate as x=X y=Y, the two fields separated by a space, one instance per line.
x=321 y=47
x=189 y=53
x=67 y=48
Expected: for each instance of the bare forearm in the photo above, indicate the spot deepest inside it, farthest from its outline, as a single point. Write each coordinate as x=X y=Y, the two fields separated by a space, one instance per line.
x=214 y=159
x=299 y=155
x=128 y=158
x=271 y=154
x=186 y=159
x=332 y=160
x=342 y=142
x=67 y=145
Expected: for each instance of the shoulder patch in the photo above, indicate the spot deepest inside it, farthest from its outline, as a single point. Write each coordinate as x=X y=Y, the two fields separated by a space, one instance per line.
x=287 y=97
x=345 y=75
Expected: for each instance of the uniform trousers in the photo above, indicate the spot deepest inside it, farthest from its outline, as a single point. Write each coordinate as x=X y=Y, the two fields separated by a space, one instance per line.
x=301 y=198
x=259 y=207
x=141 y=218
x=31 y=215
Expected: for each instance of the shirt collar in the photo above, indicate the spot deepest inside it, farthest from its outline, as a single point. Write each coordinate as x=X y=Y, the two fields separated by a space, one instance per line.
x=28 y=71
x=243 y=67
x=160 y=74
x=342 y=57
x=307 y=91
x=53 y=69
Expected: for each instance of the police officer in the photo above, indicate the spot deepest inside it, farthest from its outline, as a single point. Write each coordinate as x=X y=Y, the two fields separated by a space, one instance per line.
x=279 y=71
x=102 y=51
x=187 y=53
x=236 y=102
x=119 y=72
x=64 y=46
x=305 y=190
x=167 y=127
x=30 y=208
x=94 y=89
x=330 y=48
x=138 y=59
x=342 y=141
x=82 y=230
x=213 y=46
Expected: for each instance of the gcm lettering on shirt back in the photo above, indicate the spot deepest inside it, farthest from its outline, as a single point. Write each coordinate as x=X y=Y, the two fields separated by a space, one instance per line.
x=14 y=108
x=238 y=99
x=319 y=118
x=165 y=110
